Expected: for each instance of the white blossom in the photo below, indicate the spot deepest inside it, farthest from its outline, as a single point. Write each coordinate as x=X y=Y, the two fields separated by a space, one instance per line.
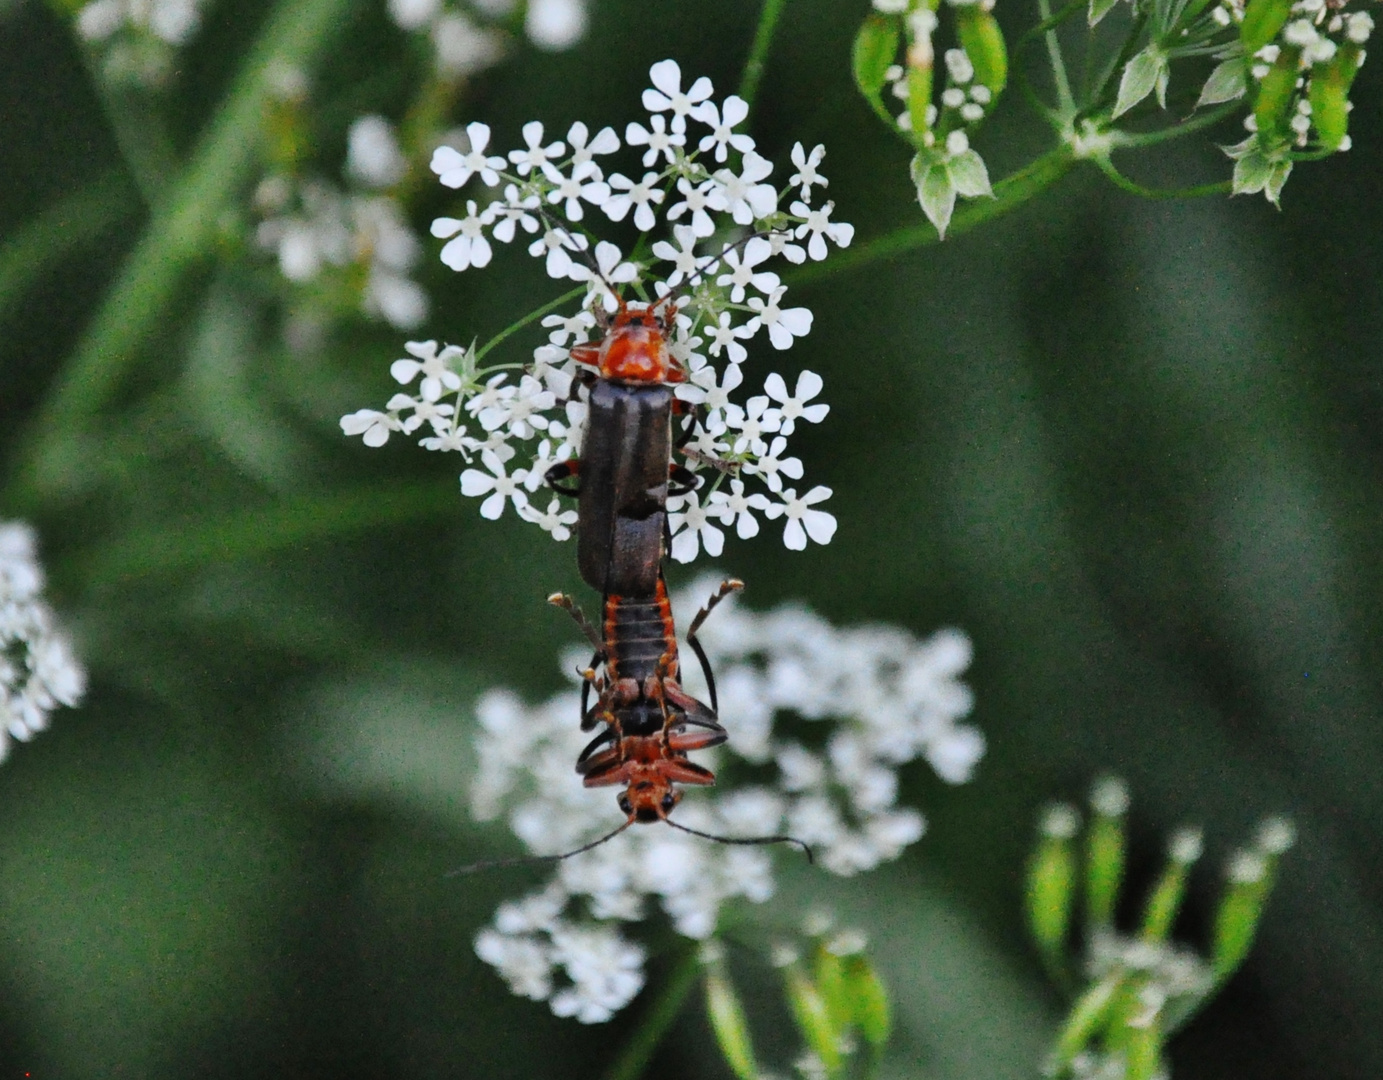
x=722 y=123
x=743 y=196
x=802 y=520
x=497 y=484
x=642 y=196
x=667 y=94
x=793 y=407
x=807 y=175
x=453 y=168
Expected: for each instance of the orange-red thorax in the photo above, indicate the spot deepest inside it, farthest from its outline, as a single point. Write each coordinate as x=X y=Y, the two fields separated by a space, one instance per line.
x=635 y=349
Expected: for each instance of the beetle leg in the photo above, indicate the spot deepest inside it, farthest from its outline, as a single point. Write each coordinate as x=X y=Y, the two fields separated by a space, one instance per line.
x=562 y=600
x=681 y=480
x=726 y=588
x=564 y=470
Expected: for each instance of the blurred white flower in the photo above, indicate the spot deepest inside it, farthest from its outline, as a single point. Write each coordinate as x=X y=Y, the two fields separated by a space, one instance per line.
x=38 y=670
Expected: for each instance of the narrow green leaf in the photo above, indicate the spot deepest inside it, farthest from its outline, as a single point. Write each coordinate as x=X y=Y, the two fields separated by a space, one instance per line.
x=1329 y=96
x=1262 y=21
x=813 y=1018
x=876 y=47
x=1143 y=1050
x=1105 y=848
x=729 y=1024
x=1086 y=1017
x=983 y=41
x=1051 y=880
x=1165 y=901
x=1276 y=91
x=1098 y=10
x=868 y=996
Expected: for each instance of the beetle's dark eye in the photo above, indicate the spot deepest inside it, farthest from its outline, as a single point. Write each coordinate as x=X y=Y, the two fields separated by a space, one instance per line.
x=624 y=806
x=669 y=801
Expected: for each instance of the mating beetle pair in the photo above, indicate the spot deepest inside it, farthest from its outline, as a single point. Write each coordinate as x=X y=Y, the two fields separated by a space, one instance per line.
x=624 y=477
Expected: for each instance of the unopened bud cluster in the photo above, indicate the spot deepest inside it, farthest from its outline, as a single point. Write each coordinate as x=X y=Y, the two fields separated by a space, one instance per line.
x=839 y=1003
x=1133 y=988
x=895 y=58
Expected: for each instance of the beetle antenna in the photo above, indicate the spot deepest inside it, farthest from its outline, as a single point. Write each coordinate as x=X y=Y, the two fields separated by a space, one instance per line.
x=746 y=840
x=491 y=864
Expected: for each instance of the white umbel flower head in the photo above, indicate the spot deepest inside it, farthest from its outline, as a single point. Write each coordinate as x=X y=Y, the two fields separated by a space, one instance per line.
x=692 y=176
x=880 y=699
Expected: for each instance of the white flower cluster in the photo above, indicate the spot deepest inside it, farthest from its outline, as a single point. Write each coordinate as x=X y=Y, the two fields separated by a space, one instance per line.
x=824 y=717
x=37 y=669
x=313 y=226
x=170 y=21
x=136 y=40
x=725 y=297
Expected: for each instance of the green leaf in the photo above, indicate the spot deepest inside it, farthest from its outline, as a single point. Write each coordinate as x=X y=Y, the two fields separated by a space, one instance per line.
x=1142 y=1050
x=1144 y=73
x=919 y=97
x=1329 y=96
x=1098 y=10
x=1086 y=1017
x=1051 y=894
x=1165 y=901
x=829 y=971
x=1228 y=82
x=1276 y=92
x=969 y=176
x=1277 y=180
x=1104 y=868
x=935 y=191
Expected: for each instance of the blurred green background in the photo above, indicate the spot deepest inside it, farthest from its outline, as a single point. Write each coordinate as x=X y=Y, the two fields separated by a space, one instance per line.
x=1132 y=448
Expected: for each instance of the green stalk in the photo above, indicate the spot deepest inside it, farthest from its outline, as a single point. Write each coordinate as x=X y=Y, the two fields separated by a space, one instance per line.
x=254 y=532
x=758 y=51
x=1009 y=193
x=56 y=231
x=639 y=1050
x=178 y=241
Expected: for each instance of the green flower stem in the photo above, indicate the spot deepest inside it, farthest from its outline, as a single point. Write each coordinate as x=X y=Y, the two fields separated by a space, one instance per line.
x=1009 y=193
x=639 y=1050
x=1129 y=141
x=758 y=51
x=72 y=222
x=513 y=328
x=1063 y=84
x=1119 y=180
x=179 y=239
x=254 y=532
